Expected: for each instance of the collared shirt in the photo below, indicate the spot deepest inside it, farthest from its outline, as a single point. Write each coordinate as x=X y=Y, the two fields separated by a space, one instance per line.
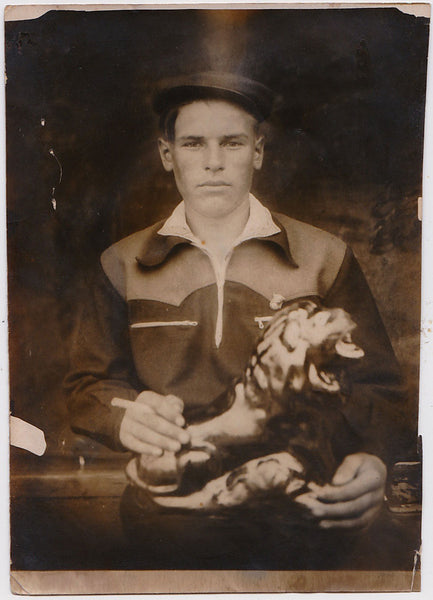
x=260 y=224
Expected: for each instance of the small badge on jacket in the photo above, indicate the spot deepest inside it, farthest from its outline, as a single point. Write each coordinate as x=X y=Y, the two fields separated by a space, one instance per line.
x=276 y=302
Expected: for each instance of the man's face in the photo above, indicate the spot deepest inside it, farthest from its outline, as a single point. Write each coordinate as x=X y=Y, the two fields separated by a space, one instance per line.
x=213 y=156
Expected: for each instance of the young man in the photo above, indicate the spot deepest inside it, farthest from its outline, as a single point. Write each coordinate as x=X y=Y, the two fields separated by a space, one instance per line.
x=177 y=307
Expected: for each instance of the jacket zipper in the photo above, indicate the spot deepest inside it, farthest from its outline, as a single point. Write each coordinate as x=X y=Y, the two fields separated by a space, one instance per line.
x=220 y=269
x=220 y=275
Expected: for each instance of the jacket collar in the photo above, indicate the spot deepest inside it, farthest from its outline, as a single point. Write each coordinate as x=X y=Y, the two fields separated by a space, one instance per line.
x=175 y=231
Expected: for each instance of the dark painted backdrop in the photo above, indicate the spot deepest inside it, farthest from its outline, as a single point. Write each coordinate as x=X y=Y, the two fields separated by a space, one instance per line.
x=344 y=152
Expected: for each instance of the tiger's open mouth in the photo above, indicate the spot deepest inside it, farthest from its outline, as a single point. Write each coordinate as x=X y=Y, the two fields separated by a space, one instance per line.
x=321 y=379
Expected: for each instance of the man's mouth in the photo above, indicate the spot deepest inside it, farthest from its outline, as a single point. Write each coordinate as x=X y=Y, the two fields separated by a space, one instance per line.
x=214 y=184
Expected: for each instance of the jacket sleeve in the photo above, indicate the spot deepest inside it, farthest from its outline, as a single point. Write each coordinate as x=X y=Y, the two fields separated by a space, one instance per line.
x=374 y=399
x=101 y=364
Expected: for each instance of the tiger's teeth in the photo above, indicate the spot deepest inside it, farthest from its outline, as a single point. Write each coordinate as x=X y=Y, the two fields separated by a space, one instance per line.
x=313 y=376
x=322 y=381
x=325 y=377
x=346 y=348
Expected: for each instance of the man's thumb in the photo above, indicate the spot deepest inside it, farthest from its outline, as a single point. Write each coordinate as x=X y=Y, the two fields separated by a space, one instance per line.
x=347 y=470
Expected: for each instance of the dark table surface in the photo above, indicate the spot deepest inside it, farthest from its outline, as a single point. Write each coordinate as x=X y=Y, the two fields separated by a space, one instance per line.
x=65 y=515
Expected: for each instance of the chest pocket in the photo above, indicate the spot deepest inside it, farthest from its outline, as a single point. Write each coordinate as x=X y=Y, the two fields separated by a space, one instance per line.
x=166 y=342
x=163 y=349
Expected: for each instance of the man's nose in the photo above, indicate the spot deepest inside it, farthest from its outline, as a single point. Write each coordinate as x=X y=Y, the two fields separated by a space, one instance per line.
x=214 y=158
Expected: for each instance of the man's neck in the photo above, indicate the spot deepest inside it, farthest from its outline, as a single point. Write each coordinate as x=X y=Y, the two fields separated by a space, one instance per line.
x=218 y=234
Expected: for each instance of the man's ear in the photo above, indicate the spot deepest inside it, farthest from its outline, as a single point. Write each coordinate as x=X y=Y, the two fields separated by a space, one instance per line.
x=165 y=154
x=259 y=148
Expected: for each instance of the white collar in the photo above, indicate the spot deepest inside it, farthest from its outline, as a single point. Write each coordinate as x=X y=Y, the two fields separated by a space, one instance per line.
x=260 y=224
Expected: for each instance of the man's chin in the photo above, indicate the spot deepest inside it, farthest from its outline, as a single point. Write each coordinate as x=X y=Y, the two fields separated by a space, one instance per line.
x=216 y=204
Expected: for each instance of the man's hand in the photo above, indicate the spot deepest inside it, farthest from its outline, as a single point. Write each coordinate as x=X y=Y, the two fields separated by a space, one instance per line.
x=354 y=497
x=152 y=424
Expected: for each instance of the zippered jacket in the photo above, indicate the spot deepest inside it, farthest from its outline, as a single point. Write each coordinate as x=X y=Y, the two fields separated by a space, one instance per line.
x=161 y=315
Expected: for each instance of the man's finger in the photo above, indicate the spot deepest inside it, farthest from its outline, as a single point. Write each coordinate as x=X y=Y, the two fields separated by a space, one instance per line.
x=165 y=428
x=342 y=510
x=365 y=482
x=175 y=401
x=132 y=443
x=351 y=491
x=356 y=523
x=158 y=423
x=310 y=501
x=149 y=436
x=352 y=508
x=170 y=407
x=140 y=410
x=157 y=400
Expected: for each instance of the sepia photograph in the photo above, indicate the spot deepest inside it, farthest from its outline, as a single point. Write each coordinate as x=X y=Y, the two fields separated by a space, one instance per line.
x=214 y=294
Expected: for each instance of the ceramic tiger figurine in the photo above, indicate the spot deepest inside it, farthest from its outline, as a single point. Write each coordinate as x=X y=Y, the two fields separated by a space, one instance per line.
x=277 y=404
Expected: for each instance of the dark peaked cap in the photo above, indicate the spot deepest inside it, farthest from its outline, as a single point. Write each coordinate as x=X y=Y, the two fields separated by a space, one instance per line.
x=252 y=96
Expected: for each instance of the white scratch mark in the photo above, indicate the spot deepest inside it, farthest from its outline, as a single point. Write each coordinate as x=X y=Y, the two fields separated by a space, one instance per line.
x=51 y=151
x=53 y=191
x=43 y=122
x=81 y=461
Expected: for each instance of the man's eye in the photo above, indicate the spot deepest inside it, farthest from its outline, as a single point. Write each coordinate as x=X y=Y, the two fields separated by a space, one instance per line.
x=191 y=144
x=233 y=144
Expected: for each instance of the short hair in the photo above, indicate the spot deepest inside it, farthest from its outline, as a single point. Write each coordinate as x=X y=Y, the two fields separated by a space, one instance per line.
x=167 y=121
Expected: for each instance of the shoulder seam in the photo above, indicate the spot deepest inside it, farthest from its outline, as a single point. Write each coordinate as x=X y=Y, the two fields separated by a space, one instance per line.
x=315 y=248
x=116 y=260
